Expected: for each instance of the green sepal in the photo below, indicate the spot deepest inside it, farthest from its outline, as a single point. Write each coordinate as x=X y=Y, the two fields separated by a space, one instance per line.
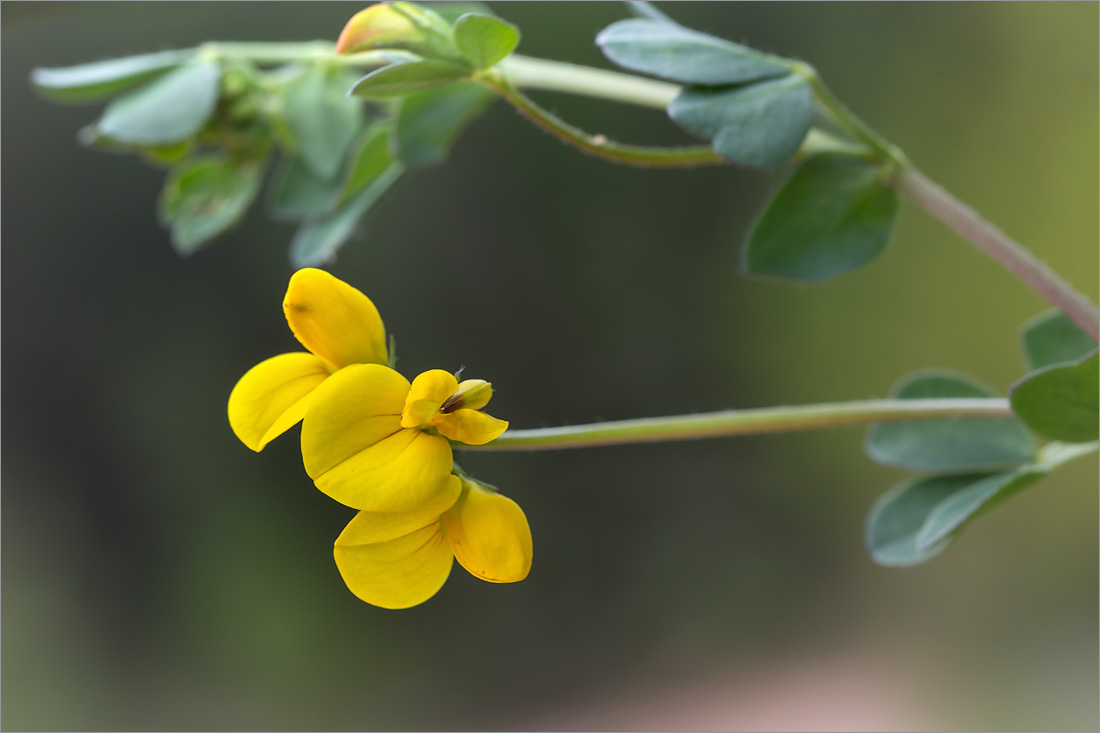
x=958 y=444
x=1053 y=338
x=205 y=197
x=427 y=124
x=485 y=40
x=400 y=79
x=833 y=215
x=686 y=56
x=317 y=240
x=167 y=110
x=99 y=80
x=1060 y=401
x=761 y=124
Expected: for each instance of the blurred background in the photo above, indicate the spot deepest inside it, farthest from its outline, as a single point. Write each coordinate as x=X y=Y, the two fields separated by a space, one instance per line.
x=159 y=575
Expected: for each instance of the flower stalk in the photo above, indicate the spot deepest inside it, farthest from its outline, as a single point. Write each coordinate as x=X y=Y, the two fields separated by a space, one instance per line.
x=745 y=422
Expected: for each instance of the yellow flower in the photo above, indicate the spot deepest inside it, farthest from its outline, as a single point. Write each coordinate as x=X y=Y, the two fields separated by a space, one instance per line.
x=337 y=324
x=398 y=560
x=373 y=441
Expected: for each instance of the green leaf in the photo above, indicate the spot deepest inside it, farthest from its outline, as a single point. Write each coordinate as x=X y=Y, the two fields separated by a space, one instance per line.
x=400 y=79
x=428 y=123
x=169 y=109
x=299 y=194
x=205 y=197
x=1060 y=401
x=317 y=241
x=101 y=79
x=1052 y=338
x=321 y=118
x=947 y=445
x=965 y=504
x=370 y=158
x=759 y=124
x=832 y=215
x=687 y=56
x=485 y=40
x=898 y=516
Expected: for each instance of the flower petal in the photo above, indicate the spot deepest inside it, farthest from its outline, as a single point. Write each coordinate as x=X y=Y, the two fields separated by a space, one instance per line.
x=334 y=320
x=489 y=535
x=397 y=573
x=429 y=390
x=470 y=426
x=372 y=527
x=272 y=396
x=396 y=474
x=354 y=409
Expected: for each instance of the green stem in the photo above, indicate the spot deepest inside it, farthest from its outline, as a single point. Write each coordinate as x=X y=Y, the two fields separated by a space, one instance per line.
x=745 y=422
x=598 y=145
x=1002 y=248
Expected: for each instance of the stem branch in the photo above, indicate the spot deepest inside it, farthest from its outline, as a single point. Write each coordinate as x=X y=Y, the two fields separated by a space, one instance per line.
x=745 y=422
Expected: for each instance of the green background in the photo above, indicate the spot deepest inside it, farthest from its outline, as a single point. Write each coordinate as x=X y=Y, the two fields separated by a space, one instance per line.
x=157 y=574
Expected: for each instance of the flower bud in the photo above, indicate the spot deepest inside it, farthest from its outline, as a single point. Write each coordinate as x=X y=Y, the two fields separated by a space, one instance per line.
x=402 y=26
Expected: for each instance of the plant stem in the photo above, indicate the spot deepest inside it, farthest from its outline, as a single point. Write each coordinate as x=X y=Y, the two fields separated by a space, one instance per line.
x=558 y=76
x=745 y=422
x=598 y=145
x=1002 y=248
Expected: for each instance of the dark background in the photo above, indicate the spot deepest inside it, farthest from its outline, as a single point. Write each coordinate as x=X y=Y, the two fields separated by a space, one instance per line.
x=157 y=574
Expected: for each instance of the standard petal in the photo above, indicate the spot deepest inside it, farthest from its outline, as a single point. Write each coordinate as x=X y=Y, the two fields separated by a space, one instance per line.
x=470 y=426
x=334 y=320
x=429 y=390
x=489 y=535
x=355 y=408
x=396 y=474
x=397 y=573
x=371 y=527
x=272 y=396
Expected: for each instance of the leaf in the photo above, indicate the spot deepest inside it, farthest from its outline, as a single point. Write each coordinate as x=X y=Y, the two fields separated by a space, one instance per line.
x=947 y=445
x=832 y=215
x=967 y=503
x=485 y=40
x=321 y=118
x=898 y=516
x=370 y=158
x=169 y=109
x=683 y=55
x=759 y=124
x=1060 y=401
x=1052 y=338
x=318 y=240
x=400 y=79
x=452 y=10
x=101 y=79
x=205 y=197
x=299 y=194
x=428 y=123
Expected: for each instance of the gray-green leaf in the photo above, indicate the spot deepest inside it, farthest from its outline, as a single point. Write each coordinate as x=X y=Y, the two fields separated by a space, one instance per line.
x=898 y=516
x=970 y=501
x=370 y=158
x=947 y=445
x=317 y=241
x=322 y=119
x=428 y=123
x=683 y=55
x=1052 y=338
x=400 y=79
x=169 y=109
x=759 y=124
x=832 y=215
x=485 y=40
x=101 y=79
x=299 y=193
x=1060 y=401
x=205 y=197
